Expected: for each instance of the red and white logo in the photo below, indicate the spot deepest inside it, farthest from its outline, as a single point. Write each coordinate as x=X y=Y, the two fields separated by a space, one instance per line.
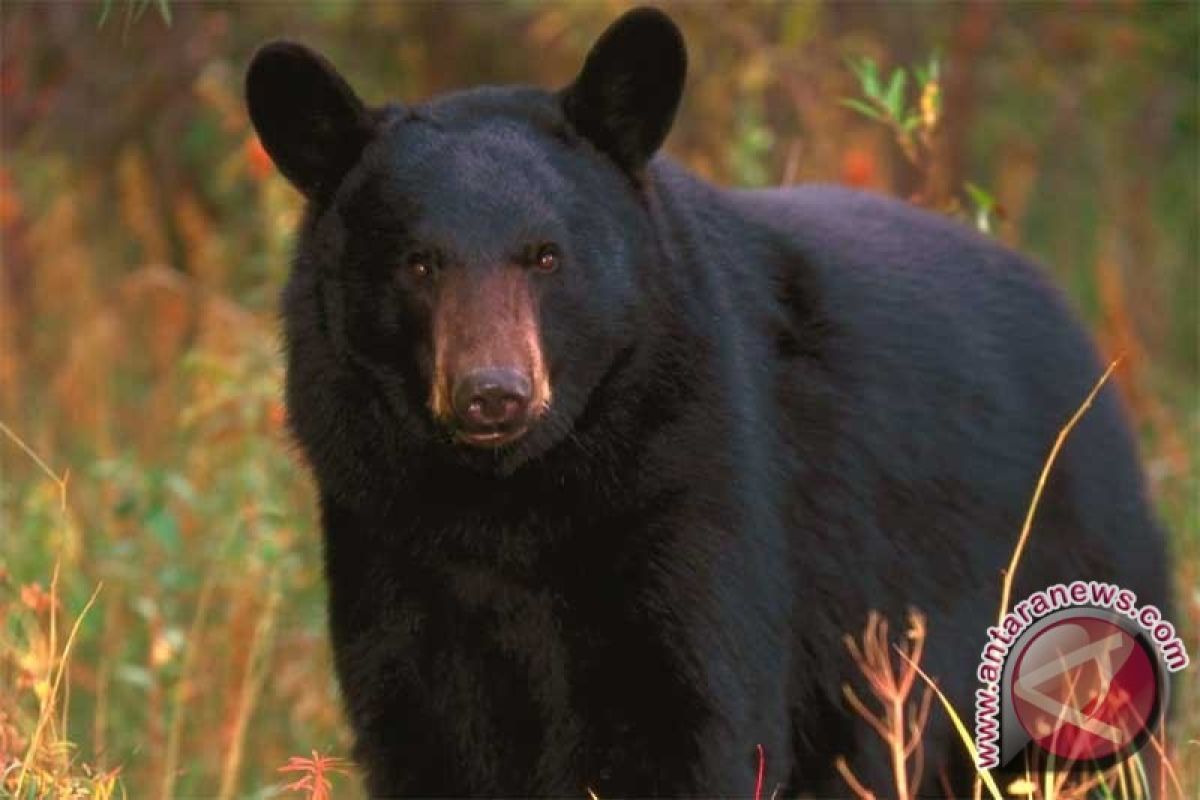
x=1085 y=689
x=1076 y=670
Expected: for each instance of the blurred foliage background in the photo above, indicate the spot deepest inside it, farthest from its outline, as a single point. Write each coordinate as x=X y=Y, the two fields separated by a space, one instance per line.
x=146 y=236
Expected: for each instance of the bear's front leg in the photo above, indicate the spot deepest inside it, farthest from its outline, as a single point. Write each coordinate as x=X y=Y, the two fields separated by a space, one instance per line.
x=682 y=656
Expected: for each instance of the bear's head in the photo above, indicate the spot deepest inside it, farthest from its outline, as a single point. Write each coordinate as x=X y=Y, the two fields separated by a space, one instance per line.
x=478 y=255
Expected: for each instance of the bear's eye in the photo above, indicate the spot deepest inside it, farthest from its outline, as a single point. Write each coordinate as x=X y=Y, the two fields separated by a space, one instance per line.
x=547 y=258
x=419 y=267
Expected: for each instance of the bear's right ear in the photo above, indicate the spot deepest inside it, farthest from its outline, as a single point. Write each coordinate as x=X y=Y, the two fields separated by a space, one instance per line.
x=625 y=97
x=308 y=118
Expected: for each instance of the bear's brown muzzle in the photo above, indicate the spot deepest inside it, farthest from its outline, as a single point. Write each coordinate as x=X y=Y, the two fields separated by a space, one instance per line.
x=490 y=381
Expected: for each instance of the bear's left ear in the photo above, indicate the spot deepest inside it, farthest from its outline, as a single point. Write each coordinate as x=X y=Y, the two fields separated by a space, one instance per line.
x=625 y=97
x=307 y=116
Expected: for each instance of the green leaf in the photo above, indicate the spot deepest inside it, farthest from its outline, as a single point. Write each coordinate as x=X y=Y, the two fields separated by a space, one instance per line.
x=134 y=675
x=145 y=606
x=163 y=526
x=984 y=204
x=894 y=99
x=862 y=108
x=871 y=78
x=929 y=71
x=979 y=196
x=180 y=487
x=271 y=513
x=856 y=66
x=868 y=76
x=164 y=11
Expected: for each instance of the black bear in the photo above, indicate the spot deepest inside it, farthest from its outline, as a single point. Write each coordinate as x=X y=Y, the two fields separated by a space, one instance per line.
x=610 y=459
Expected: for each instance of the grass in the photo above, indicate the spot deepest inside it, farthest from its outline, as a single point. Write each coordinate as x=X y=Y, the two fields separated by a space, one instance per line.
x=166 y=666
x=1010 y=574
x=41 y=760
x=891 y=677
x=184 y=501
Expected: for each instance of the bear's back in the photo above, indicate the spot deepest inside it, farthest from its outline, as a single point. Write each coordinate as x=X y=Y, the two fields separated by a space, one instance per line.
x=956 y=362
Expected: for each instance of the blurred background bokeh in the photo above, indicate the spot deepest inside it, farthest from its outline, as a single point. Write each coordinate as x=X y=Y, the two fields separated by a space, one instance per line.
x=146 y=235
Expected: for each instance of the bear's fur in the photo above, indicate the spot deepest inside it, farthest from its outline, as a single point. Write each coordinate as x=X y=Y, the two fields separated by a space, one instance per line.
x=764 y=414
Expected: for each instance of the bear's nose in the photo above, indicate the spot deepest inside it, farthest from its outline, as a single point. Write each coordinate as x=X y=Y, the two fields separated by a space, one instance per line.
x=491 y=403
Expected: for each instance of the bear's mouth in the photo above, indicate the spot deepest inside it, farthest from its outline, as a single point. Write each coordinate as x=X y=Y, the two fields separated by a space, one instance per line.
x=491 y=439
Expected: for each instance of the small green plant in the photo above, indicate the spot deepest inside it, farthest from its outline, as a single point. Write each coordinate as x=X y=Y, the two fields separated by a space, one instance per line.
x=752 y=146
x=887 y=101
x=913 y=117
x=134 y=9
x=984 y=206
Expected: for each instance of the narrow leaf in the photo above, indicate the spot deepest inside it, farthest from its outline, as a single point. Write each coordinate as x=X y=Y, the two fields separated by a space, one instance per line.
x=935 y=65
x=894 y=99
x=862 y=108
x=979 y=196
x=870 y=78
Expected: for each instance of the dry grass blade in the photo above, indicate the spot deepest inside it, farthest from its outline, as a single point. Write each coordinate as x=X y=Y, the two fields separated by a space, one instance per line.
x=55 y=673
x=961 y=728
x=60 y=481
x=179 y=694
x=255 y=675
x=1010 y=573
x=48 y=707
x=1165 y=767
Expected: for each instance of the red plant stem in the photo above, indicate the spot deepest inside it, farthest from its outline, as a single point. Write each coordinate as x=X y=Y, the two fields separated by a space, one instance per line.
x=762 y=768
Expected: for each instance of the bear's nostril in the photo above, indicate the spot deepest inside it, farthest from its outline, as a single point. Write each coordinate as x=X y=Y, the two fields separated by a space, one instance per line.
x=491 y=400
x=493 y=405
